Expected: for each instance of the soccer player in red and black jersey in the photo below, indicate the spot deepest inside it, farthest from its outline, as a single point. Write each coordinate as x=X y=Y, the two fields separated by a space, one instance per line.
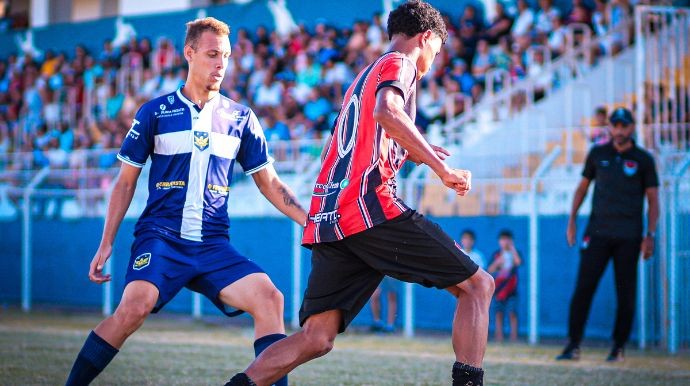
x=359 y=230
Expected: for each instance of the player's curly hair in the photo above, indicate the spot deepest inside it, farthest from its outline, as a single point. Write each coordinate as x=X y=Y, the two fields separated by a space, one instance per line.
x=416 y=16
x=197 y=27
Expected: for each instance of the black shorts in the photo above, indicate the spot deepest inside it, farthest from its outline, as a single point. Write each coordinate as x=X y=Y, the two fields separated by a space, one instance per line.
x=345 y=273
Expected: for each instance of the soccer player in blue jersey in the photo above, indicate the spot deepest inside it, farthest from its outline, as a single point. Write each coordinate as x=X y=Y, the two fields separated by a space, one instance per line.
x=193 y=137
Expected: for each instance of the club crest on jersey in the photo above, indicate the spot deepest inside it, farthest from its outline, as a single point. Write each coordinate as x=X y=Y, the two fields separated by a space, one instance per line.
x=141 y=261
x=171 y=99
x=629 y=168
x=201 y=140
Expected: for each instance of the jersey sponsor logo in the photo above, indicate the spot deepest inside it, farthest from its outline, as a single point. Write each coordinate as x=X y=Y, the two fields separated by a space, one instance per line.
x=201 y=140
x=165 y=185
x=133 y=133
x=604 y=163
x=331 y=217
x=235 y=115
x=142 y=261
x=218 y=189
x=323 y=190
x=629 y=168
x=171 y=99
x=164 y=113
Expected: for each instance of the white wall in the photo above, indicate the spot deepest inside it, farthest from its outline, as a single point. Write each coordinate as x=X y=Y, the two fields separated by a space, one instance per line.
x=140 y=7
x=86 y=10
x=39 y=13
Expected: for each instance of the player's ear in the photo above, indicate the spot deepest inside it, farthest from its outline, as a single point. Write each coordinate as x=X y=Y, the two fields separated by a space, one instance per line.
x=188 y=51
x=425 y=37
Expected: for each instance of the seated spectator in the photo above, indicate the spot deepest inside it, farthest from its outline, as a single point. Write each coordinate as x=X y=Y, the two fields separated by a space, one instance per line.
x=317 y=110
x=500 y=26
x=113 y=103
x=580 y=13
x=269 y=93
x=558 y=37
x=431 y=100
x=275 y=130
x=461 y=74
x=544 y=17
x=522 y=28
x=482 y=62
x=311 y=74
x=537 y=71
x=501 y=53
x=469 y=18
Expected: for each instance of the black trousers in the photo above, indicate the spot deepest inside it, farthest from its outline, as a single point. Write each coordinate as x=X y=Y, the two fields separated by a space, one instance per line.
x=594 y=258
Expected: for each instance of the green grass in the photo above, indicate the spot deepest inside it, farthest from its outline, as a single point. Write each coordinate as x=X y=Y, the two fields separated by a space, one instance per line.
x=38 y=349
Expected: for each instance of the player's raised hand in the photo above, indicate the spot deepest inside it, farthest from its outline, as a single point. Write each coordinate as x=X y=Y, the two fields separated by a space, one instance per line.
x=98 y=263
x=458 y=180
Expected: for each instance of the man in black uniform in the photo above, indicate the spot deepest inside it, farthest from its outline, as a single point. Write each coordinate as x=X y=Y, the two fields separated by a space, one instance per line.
x=624 y=174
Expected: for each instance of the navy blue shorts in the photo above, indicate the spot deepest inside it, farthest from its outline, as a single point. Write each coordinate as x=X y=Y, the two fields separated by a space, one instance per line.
x=170 y=264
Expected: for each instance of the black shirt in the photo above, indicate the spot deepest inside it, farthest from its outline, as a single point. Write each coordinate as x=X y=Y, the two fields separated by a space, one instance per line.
x=621 y=180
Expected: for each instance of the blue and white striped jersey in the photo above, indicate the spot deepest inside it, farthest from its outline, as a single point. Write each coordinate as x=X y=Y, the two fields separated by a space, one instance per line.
x=192 y=152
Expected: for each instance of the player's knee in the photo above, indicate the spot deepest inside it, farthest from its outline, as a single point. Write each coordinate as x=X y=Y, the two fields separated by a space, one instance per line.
x=132 y=315
x=319 y=343
x=272 y=299
x=480 y=286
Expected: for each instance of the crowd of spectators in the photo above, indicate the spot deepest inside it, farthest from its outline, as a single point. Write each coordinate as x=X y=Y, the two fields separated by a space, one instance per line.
x=61 y=102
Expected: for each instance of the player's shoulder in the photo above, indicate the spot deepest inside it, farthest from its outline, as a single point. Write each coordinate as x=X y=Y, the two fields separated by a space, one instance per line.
x=235 y=114
x=600 y=149
x=395 y=56
x=644 y=155
x=160 y=103
x=228 y=104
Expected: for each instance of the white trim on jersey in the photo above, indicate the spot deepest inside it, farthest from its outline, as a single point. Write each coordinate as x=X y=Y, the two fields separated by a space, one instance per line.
x=129 y=161
x=193 y=211
x=259 y=168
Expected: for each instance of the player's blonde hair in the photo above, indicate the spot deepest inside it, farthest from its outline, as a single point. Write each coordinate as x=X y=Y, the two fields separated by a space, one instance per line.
x=197 y=27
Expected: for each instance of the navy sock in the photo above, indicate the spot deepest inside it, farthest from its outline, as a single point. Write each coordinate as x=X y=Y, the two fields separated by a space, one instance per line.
x=240 y=379
x=466 y=375
x=262 y=343
x=92 y=359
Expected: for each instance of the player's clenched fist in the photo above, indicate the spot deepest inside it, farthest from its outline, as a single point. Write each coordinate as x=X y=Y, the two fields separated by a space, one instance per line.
x=458 y=180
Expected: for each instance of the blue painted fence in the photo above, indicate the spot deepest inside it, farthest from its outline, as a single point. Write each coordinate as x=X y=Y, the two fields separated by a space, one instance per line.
x=62 y=251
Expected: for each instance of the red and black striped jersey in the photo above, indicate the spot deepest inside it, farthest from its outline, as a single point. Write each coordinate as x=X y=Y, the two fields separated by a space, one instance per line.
x=356 y=188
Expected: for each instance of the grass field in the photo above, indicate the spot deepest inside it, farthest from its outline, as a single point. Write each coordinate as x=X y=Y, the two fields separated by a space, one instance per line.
x=38 y=349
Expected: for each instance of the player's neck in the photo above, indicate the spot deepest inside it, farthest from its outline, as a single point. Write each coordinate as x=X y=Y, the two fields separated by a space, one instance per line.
x=199 y=95
x=406 y=46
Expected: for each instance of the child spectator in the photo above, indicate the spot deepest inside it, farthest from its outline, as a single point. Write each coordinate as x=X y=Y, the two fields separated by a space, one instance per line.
x=504 y=268
x=467 y=238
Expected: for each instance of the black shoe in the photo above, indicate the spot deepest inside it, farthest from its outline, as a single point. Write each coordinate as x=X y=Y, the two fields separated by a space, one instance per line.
x=617 y=354
x=571 y=352
x=240 y=379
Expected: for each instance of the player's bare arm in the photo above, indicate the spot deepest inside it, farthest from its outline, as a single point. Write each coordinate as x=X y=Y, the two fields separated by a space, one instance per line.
x=440 y=152
x=279 y=194
x=120 y=198
x=652 y=218
x=390 y=113
x=580 y=194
